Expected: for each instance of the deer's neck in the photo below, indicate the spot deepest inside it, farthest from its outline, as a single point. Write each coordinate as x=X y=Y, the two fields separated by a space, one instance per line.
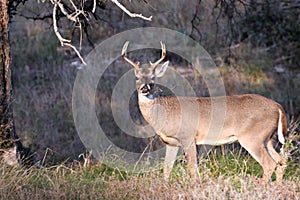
x=146 y=104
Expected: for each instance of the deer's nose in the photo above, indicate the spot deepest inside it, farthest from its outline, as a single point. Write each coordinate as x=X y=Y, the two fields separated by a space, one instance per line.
x=145 y=89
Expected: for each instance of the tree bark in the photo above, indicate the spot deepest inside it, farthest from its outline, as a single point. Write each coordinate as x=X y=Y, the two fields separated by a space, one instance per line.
x=7 y=133
x=10 y=145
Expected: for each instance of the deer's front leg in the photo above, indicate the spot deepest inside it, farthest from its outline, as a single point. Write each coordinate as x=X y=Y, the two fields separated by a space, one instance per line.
x=171 y=153
x=191 y=158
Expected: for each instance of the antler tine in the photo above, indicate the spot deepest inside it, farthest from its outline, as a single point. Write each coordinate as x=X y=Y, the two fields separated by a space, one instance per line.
x=163 y=54
x=125 y=48
x=123 y=54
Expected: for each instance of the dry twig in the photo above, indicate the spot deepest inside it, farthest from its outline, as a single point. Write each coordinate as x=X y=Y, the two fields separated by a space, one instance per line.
x=75 y=17
x=130 y=13
x=72 y=17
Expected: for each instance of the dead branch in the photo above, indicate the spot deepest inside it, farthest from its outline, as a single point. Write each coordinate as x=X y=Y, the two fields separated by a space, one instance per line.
x=94 y=7
x=130 y=13
x=63 y=41
x=76 y=16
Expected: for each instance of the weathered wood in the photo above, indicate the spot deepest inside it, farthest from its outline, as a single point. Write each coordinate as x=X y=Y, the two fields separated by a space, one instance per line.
x=7 y=134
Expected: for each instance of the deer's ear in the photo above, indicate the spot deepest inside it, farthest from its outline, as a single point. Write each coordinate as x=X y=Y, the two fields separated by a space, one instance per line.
x=136 y=73
x=160 y=70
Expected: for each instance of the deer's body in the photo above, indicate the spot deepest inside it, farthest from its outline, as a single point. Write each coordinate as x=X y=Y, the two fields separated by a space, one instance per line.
x=242 y=115
x=187 y=121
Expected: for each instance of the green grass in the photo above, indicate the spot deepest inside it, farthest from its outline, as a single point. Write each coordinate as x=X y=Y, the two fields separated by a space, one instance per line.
x=222 y=176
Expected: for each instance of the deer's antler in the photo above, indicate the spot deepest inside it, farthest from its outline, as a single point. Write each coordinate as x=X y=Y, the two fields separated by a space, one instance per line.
x=135 y=65
x=163 y=55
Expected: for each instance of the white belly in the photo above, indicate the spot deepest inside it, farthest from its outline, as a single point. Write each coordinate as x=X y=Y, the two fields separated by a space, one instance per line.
x=218 y=141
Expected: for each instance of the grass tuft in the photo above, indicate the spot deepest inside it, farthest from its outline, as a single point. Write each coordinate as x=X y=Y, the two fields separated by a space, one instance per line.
x=221 y=177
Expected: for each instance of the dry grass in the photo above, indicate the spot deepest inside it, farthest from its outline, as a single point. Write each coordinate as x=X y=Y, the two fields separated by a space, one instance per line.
x=100 y=182
x=229 y=175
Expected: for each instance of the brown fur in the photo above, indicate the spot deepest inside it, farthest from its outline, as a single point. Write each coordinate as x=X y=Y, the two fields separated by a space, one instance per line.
x=186 y=122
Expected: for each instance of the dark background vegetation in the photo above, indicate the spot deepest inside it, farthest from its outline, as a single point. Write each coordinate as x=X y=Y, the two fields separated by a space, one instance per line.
x=255 y=44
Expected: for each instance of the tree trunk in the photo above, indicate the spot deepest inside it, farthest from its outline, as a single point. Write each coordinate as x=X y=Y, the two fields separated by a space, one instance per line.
x=7 y=133
x=11 y=148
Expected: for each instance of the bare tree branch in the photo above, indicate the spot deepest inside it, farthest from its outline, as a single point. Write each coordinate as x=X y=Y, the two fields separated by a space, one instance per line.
x=76 y=13
x=94 y=7
x=63 y=41
x=57 y=33
x=130 y=13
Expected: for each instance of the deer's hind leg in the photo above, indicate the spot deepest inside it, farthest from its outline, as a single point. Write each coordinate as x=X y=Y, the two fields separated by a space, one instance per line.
x=280 y=162
x=258 y=150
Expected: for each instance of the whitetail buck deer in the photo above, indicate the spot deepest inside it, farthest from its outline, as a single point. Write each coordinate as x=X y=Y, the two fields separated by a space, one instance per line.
x=250 y=119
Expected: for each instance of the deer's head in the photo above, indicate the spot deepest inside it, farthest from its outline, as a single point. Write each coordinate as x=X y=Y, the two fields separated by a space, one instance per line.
x=146 y=75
